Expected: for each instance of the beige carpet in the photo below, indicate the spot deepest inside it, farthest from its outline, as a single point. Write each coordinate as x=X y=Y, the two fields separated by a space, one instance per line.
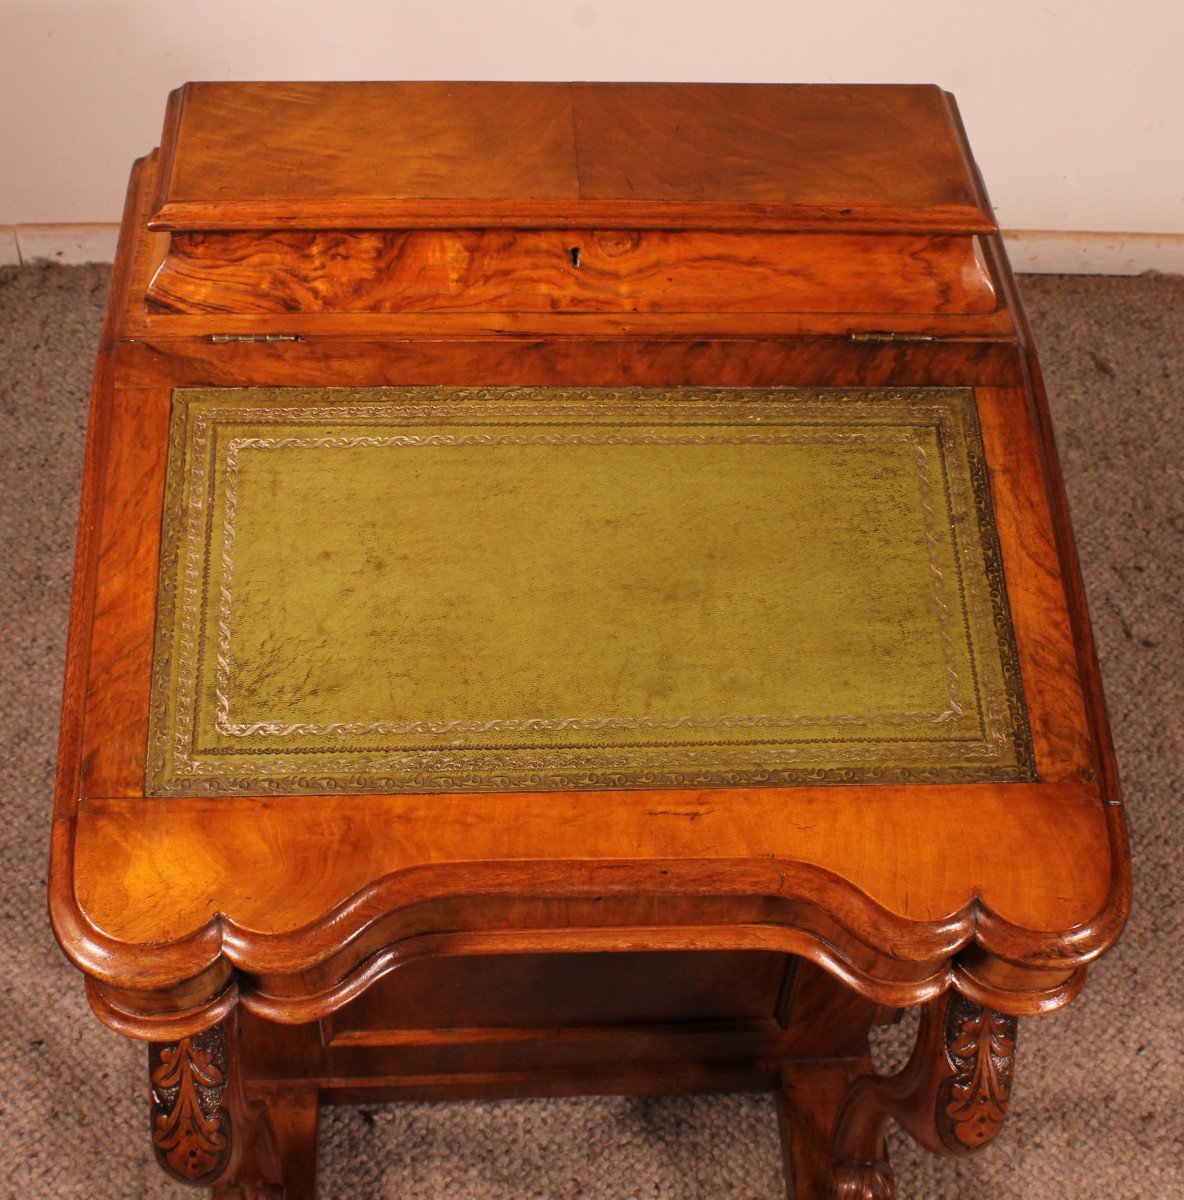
x=1099 y=1100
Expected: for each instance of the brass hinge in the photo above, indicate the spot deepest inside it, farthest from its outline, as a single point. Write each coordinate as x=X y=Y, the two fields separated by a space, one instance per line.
x=253 y=337
x=885 y=336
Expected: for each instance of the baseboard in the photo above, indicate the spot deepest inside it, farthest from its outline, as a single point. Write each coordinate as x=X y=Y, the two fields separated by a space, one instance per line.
x=10 y=255
x=68 y=245
x=1051 y=252
x=1032 y=251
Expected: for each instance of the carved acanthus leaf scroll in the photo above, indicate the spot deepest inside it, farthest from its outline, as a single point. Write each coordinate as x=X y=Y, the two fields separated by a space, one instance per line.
x=190 y=1125
x=972 y=1102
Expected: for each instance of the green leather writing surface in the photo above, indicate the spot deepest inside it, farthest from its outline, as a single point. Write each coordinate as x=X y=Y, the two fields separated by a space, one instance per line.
x=436 y=589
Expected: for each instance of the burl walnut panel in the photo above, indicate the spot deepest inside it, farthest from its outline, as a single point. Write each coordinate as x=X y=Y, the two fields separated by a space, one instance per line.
x=568 y=270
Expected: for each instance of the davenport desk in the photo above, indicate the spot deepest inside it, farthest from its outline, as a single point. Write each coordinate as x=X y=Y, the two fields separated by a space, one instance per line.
x=574 y=594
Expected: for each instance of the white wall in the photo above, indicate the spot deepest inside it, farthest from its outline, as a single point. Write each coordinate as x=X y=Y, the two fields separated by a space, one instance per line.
x=1075 y=107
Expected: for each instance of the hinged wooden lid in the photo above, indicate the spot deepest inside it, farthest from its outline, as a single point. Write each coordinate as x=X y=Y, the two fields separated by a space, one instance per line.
x=708 y=156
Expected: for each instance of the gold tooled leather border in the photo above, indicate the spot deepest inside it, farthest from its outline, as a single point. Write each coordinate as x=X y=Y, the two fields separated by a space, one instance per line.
x=447 y=769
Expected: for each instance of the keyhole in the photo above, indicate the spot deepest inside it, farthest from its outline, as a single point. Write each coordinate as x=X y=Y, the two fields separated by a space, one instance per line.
x=574 y=255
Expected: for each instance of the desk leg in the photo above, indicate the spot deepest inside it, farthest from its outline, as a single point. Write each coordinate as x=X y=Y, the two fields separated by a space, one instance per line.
x=827 y=1024
x=293 y=1116
x=808 y=1100
x=951 y=1096
x=209 y=1131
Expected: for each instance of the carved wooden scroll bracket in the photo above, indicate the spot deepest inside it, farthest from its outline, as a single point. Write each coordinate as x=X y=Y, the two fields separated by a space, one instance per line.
x=204 y=1130
x=951 y=1096
x=192 y=1130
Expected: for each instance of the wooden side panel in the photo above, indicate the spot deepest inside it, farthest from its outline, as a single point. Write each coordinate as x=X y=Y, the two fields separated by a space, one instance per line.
x=117 y=696
x=1036 y=590
x=554 y=990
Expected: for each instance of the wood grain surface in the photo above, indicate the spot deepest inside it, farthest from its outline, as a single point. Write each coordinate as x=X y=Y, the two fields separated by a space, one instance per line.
x=568 y=271
x=125 y=605
x=463 y=155
x=181 y=909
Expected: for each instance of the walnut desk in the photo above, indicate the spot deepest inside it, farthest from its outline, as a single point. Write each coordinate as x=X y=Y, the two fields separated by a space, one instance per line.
x=574 y=594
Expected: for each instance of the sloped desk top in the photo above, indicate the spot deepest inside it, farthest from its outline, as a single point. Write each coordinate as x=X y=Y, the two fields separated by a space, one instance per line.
x=445 y=589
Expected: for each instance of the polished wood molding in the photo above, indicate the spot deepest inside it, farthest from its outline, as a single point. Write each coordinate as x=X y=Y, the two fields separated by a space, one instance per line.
x=188 y=983
x=984 y=322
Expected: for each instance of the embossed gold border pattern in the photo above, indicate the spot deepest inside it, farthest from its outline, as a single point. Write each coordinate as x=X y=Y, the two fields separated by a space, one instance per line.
x=177 y=766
